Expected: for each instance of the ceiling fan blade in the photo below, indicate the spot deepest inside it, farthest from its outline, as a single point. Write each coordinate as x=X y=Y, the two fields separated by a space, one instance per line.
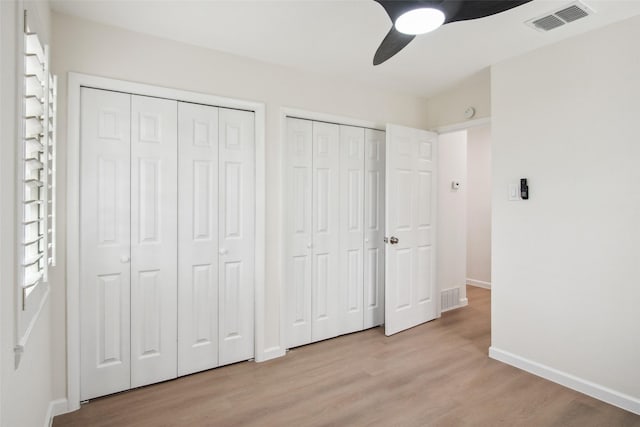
x=393 y=43
x=465 y=10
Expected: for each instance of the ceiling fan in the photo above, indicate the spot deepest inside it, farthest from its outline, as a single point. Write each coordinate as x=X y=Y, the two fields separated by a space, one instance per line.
x=413 y=17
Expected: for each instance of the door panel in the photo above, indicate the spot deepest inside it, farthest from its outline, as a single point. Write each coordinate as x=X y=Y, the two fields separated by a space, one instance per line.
x=149 y=311
x=374 y=185
x=104 y=242
x=298 y=237
x=197 y=238
x=410 y=212
x=325 y=234
x=236 y=235
x=153 y=240
x=351 y=228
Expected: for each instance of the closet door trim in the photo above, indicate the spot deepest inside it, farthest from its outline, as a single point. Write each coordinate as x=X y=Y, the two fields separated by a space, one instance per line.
x=263 y=350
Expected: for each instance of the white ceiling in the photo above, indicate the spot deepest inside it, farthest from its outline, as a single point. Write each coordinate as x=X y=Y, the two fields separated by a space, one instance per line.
x=339 y=37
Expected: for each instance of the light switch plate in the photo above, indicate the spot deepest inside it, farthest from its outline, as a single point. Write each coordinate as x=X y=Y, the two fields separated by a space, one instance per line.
x=514 y=192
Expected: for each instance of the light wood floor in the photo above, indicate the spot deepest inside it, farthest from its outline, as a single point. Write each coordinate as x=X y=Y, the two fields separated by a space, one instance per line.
x=437 y=374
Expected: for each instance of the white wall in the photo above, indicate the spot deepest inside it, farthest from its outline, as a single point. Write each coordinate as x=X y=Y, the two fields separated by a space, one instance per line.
x=91 y=48
x=479 y=205
x=565 y=290
x=448 y=106
x=25 y=391
x=452 y=212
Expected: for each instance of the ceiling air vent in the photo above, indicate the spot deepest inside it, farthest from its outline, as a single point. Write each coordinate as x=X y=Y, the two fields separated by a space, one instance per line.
x=572 y=13
x=560 y=17
x=547 y=23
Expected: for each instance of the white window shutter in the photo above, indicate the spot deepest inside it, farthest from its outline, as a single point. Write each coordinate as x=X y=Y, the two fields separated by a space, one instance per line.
x=35 y=159
x=37 y=149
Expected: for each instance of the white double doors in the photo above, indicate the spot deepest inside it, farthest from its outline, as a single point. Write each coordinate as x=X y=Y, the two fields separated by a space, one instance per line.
x=167 y=208
x=334 y=224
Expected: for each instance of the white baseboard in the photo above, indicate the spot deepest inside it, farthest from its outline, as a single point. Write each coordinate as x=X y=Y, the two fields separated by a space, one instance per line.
x=596 y=391
x=271 y=353
x=56 y=407
x=479 y=283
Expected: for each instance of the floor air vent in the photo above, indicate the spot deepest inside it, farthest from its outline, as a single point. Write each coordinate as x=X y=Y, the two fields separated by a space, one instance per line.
x=560 y=17
x=450 y=298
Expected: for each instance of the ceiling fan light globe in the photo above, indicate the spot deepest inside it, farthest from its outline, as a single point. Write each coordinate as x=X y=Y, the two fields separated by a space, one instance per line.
x=419 y=21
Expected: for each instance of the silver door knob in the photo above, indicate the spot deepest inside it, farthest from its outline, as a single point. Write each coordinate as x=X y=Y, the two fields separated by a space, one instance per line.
x=125 y=259
x=393 y=240
x=222 y=251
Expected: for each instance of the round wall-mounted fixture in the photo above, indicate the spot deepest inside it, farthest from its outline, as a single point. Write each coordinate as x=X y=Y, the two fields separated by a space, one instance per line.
x=469 y=112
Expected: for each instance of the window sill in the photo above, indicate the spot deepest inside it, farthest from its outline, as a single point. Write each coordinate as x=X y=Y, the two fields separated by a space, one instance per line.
x=19 y=348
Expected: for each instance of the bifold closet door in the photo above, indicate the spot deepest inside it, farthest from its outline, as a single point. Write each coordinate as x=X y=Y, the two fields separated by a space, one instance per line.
x=197 y=238
x=334 y=230
x=298 y=236
x=236 y=235
x=325 y=282
x=153 y=240
x=361 y=227
x=105 y=242
x=138 y=326
x=351 y=228
x=374 y=185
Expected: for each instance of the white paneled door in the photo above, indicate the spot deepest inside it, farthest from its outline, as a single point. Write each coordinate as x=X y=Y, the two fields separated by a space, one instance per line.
x=325 y=310
x=217 y=228
x=334 y=230
x=351 y=228
x=410 y=291
x=167 y=239
x=105 y=246
x=236 y=235
x=298 y=235
x=154 y=220
x=197 y=238
x=374 y=187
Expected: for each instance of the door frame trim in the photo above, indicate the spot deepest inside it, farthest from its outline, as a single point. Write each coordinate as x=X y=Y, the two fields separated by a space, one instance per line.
x=297 y=113
x=75 y=82
x=469 y=124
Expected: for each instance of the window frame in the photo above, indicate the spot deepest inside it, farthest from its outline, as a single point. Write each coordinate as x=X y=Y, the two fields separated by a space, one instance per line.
x=30 y=300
